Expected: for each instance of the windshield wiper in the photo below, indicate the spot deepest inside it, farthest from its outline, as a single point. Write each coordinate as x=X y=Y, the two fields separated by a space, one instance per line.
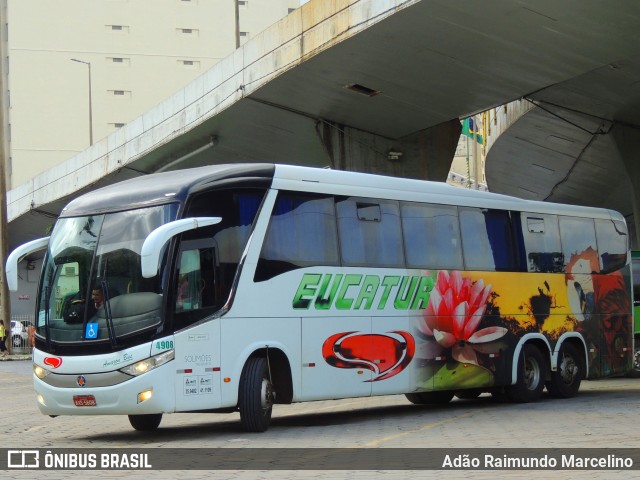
x=47 y=302
x=107 y=313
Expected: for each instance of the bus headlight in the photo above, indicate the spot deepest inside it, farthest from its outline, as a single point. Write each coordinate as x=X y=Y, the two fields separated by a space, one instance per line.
x=147 y=364
x=40 y=372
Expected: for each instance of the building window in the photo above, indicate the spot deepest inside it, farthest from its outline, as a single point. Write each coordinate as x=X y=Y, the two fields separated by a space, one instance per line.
x=120 y=93
x=187 y=31
x=119 y=60
x=243 y=3
x=192 y=64
x=117 y=28
x=117 y=125
x=291 y=10
x=244 y=34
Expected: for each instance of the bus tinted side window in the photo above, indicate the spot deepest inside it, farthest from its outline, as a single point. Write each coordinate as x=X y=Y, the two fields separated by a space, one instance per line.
x=542 y=243
x=208 y=257
x=301 y=233
x=431 y=236
x=612 y=244
x=370 y=233
x=487 y=239
x=578 y=237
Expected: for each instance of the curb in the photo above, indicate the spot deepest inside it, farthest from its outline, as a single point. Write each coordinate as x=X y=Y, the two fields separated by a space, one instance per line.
x=10 y=358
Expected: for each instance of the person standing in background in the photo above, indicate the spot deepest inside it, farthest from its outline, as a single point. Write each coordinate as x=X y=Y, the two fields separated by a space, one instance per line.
x=3 y=337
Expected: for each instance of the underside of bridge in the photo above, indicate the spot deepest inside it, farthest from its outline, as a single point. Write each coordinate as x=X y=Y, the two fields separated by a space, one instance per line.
x=579 y=144
x=348 y=84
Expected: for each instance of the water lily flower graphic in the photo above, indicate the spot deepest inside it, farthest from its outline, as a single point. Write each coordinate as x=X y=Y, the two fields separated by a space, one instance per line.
x=453 y=314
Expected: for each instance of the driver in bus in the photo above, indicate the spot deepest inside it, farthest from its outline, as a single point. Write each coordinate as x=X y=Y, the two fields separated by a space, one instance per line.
x=98 y=297
x=97 y=301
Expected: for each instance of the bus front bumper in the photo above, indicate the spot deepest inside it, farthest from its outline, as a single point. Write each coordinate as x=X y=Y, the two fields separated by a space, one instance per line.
x=148 y=393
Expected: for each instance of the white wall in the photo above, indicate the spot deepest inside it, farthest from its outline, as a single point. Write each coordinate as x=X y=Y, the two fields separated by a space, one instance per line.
x=49 y=93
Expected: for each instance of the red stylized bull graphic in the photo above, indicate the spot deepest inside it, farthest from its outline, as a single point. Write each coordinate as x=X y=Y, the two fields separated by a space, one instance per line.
x=385 y=355
x=53 y=362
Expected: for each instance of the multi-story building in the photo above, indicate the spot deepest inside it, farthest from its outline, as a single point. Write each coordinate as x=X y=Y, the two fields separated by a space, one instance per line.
x=79 y=70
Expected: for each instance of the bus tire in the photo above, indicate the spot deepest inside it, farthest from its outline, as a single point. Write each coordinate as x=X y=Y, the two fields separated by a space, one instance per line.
x=530 y=378
x=565 y=381
x=145 y=423
x=256 y=395
x=635 y=370
x=426 y=398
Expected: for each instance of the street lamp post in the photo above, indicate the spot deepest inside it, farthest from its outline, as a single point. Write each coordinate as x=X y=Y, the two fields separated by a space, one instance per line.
x=88 y=64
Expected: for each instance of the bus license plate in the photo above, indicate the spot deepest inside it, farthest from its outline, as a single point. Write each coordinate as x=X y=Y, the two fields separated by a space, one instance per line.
x=84 y=401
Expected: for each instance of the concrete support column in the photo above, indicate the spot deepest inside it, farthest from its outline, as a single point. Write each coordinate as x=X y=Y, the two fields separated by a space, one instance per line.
x=425 y=155
x=627 y=141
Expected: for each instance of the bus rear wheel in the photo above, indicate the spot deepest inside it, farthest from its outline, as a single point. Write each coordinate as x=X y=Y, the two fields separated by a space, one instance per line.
x=256 y=395
x=565 y=381
x=145 y=423
x=426 y=398
x=530 y=378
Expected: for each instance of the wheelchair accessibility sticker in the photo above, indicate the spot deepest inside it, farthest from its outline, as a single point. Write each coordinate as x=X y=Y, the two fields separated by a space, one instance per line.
x=91 y=331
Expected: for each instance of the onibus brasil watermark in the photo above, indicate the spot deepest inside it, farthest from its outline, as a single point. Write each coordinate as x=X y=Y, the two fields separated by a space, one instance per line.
x=35 y=459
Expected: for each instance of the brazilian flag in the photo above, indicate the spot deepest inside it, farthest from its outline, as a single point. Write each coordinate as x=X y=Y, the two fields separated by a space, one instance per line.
x=469 y=128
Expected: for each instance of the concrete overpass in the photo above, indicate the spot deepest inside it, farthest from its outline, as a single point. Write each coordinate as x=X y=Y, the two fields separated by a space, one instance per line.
x=343 y=83
x=578 y=143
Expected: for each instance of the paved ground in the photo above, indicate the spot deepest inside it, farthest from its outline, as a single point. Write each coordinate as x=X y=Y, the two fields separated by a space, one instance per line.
x=605 y=414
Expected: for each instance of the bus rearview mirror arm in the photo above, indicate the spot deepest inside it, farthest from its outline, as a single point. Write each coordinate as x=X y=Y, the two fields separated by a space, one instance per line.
x=17 y=255
x=156 y=240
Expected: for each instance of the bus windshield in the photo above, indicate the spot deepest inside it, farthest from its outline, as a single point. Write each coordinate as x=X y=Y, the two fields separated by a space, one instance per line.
x=92 y=288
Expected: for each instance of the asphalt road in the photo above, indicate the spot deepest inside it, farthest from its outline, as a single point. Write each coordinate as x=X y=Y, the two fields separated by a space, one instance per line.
x=605 y=414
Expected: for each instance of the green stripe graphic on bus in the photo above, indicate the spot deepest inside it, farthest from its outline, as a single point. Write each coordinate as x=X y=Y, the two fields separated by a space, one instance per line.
x=362 y=292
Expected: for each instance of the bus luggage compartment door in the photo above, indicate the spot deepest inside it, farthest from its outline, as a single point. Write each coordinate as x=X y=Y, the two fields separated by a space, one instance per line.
x=335 y=362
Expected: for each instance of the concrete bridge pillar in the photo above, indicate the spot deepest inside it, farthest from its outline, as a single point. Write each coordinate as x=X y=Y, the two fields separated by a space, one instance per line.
x=627 y=141
x=425 y=155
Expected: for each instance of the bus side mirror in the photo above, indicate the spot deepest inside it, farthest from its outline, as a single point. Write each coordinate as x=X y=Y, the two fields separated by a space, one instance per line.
x=155 y=241
x=17 y=255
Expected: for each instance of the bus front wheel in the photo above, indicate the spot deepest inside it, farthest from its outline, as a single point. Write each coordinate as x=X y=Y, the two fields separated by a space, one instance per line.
x=530 y=378
x=256 y=395
x=565 y=381
x=144 y=423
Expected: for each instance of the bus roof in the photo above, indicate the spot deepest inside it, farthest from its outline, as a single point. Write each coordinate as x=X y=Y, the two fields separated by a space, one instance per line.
x=176 y=185
x=165 y=187
x=337 y=182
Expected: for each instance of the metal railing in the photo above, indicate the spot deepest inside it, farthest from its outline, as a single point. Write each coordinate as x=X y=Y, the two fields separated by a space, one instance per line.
x=21 y=333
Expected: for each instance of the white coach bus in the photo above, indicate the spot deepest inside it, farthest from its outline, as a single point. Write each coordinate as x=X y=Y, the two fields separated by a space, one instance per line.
x=236 y=287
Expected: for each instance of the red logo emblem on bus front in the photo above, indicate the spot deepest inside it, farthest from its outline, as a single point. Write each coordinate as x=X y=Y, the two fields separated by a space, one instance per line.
x=385 y=355
x=53 y=362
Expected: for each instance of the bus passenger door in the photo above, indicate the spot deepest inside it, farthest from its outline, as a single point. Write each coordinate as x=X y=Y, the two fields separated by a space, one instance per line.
x=334 y=357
